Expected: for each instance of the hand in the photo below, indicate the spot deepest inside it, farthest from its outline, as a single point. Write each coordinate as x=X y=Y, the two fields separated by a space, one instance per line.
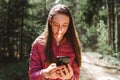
x=50 y=72
x=65 y=72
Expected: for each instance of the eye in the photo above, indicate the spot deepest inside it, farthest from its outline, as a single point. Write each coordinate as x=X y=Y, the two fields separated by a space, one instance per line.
x=56 y=25
x=64 y=25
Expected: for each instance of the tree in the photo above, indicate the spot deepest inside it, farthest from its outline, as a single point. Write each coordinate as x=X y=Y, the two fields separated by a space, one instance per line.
x=111 y=23
x=3 y=20
x=20 y=23
x=13 y=13
x=117 y=25
x=88 y=15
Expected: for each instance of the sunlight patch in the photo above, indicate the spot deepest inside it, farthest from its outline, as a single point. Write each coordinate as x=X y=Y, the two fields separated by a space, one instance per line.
x=106 y=78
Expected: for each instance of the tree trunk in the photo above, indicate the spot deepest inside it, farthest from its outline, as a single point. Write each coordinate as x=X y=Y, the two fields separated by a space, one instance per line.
x=21 y=31
x=9 y=31
x=118 y=33
x=117 y=24
x=111 y=24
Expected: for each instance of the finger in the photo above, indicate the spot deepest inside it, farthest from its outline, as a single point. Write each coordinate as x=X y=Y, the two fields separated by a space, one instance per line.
x=62 y=73
x=54 y=71
x=65 y=70
x=59 y=74
x=53 y=76
x=53 y=65
x=69 y=67
x=58 y=71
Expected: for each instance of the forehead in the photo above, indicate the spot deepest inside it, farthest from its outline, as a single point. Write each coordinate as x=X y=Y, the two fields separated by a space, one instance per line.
x=60 y=18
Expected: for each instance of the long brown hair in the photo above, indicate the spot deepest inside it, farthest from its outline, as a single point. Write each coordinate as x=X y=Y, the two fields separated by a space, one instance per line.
x=71 y=34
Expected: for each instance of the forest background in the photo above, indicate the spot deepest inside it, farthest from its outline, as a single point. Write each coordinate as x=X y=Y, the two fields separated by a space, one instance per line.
x=21 y=21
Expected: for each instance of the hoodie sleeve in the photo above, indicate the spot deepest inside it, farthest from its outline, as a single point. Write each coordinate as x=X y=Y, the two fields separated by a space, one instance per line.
x=35 y=65
x=76 y=70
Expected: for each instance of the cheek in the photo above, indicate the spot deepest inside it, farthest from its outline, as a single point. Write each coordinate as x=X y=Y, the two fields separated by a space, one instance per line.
x=65 y=30
x=54 y=31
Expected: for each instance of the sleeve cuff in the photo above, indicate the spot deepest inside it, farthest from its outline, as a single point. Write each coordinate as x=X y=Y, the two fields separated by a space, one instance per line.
x=42 y=73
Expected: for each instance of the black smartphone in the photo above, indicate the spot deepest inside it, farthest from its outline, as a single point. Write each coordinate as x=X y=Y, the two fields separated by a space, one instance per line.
x=62 y=60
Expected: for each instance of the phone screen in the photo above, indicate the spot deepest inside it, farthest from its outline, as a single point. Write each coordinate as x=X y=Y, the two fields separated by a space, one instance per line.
x=62 y=60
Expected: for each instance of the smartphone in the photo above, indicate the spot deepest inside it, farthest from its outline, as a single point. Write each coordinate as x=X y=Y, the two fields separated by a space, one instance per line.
x=62 y=60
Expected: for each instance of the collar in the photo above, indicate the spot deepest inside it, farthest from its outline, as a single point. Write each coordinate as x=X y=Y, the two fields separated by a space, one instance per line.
x=60 y=43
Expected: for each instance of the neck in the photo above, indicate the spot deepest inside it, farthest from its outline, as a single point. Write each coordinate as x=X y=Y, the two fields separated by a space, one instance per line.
x=58 y=40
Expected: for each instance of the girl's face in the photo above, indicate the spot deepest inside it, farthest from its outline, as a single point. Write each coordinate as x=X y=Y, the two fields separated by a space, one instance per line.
x=59 y=23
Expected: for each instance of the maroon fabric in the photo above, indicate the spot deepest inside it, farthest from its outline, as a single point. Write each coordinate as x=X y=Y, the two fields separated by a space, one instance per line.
x=38 y=59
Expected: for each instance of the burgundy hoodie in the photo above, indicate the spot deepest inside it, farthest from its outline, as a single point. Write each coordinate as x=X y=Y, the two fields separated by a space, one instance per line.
x=38 y=59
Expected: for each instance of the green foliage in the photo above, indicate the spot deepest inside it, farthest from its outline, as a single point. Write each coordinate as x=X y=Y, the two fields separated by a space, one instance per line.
x=90 y=11
x=117 y=55
x=102 y=44
x=87 y=16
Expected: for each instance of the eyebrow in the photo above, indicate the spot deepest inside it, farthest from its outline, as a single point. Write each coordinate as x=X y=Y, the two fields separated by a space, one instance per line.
x=64 y=23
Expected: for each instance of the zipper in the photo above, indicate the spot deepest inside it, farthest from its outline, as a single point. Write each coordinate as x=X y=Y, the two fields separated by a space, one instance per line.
x=57 y=49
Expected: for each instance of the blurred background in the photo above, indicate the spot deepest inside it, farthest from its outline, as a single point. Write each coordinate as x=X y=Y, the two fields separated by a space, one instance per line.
x=21 y=21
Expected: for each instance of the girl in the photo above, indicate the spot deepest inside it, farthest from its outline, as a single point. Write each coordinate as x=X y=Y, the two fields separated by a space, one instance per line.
x=58 y=39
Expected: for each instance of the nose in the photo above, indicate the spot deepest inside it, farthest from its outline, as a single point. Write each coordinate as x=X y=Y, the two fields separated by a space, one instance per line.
x=60 y=30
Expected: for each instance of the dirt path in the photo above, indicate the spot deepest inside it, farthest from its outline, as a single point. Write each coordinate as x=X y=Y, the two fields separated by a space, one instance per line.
x=94 y=68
